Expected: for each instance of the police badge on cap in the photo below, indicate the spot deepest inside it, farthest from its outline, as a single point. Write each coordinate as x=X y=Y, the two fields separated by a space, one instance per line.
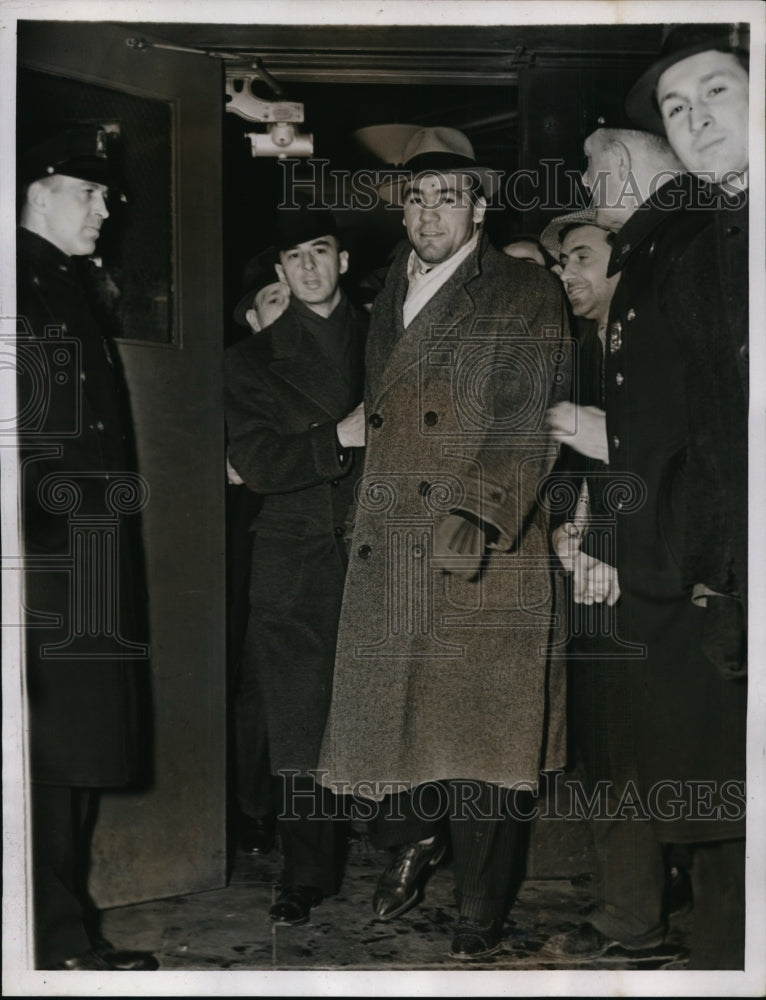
x=77 y=152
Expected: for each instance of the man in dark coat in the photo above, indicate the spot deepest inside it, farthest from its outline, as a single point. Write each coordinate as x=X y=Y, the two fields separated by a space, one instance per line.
x=688 y=572
x=82 y=638
x=443 y=687
x=293 y=407
x=687 y=713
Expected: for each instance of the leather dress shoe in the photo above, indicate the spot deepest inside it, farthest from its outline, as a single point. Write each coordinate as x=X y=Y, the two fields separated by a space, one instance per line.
x=110 y=959
x=294 y=904
x=399 y=887
x=257 y=834
x=679 y=897
x=476 y=941
x=587 y=942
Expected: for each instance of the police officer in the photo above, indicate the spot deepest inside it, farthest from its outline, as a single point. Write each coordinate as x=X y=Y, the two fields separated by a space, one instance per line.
x=74 y=439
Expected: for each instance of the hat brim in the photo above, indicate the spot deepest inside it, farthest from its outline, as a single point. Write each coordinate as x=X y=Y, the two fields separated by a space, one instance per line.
x=392 y=189
x=640 y=105
x=258 y=273
x=551 y=235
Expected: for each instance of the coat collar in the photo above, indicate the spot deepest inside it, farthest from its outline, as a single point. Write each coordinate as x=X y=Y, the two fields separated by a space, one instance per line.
x=298 y=360
x=392 y=348
x=681 y=192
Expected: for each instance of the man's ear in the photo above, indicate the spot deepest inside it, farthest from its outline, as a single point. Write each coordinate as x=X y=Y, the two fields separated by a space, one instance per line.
x=479 y=208
x=281 y=273
x=37 y=195
x=621 y=155
x=343 y=261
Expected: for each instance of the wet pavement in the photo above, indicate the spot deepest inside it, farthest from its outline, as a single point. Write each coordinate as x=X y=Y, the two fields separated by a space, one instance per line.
x=229 y=928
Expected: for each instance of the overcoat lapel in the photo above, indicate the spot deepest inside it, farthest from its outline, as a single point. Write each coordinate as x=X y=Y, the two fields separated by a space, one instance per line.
x=400 y=349
x=299 y=361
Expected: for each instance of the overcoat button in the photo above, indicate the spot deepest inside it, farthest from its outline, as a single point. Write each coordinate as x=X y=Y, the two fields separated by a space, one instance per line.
x=615 y=337
x=337 y=532
x=652 y=248
x=430 y=418
x=631 y=314
x=99 y=425
x=376 y=420
x=619 y=505
x=743 y=352
x=619 y=378
x=364 y=552
x=423 y=488
x=334 y=482
x=616 y=441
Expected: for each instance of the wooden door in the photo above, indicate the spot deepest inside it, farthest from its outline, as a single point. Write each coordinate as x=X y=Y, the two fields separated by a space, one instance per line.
x=169 y=837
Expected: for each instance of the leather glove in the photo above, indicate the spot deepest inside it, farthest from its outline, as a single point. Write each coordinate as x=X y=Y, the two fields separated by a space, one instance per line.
x=458 y=546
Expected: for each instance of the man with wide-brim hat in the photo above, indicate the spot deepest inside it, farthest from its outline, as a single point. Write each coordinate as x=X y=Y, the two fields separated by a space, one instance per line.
x=436 y=150
x=442 y=690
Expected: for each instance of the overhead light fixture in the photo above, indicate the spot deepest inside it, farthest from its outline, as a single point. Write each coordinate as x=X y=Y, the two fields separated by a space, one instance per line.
x=281 y=138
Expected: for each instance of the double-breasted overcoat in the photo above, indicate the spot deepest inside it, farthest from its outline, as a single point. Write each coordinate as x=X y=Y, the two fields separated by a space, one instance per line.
x=439 y=676
x=284 y=397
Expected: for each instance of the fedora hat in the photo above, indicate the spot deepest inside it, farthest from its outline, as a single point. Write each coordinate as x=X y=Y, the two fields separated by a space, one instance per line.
x=438 y=150
x=258 y=272
x=679 y=42
x=551 y=235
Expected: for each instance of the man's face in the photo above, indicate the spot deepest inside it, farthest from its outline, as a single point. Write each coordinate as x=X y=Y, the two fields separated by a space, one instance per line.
x=704 y=105
x=73 y=212
x=312 y=270
x=525 y=250
x=440 y=216
x=584 y=259
x=269 y=303
x=601 y=176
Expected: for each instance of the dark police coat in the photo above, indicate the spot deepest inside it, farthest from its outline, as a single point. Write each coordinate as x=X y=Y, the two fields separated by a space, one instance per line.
x=688 y=721
x=709 y=306
x=78 y=491
x=283 y=399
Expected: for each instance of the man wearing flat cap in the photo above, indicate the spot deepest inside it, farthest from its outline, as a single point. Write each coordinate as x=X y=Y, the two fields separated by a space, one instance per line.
x=444 y=702
x=83 y=675
x=293 y=409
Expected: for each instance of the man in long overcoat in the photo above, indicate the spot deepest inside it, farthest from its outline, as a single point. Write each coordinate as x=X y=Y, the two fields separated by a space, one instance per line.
x=682 y=564
x=288 y=392
x=83 y=643
x=442 y=682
